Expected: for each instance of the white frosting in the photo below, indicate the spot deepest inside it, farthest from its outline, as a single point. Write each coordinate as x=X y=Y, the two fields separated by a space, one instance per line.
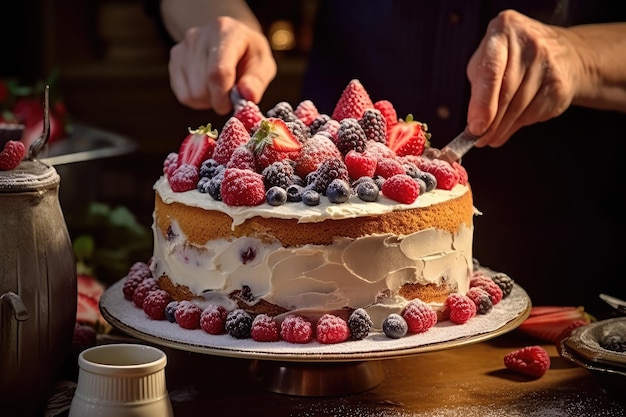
x=349 y=272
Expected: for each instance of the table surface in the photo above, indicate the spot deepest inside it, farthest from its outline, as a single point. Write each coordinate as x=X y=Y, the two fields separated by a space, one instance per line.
x=467 y=381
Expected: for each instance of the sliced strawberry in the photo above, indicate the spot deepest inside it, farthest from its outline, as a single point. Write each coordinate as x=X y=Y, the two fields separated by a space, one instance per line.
x=197 y=146
x=273 y=141
x=539 y=310
x=353 y=102
x=408 y=137
x=89 y=286
x=549 y=325
x=87 y=311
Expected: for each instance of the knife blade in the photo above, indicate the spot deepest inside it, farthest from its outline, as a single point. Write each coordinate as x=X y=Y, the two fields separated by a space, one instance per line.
x=458 y=146
x=235 y=99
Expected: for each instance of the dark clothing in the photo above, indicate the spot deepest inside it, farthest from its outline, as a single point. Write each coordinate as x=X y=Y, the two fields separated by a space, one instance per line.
x=549 y=196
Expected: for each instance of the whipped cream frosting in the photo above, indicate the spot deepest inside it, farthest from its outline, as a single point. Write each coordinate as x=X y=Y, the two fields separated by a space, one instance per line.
x=322 y=277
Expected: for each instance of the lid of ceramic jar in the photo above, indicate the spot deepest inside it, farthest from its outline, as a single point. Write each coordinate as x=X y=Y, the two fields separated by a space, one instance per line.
x=28 y=176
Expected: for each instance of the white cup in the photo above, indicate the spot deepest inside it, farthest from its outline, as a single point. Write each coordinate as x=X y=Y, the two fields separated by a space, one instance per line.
x=121 y=380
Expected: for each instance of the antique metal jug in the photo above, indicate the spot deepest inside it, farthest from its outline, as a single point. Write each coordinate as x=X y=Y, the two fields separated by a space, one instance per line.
x=37 y=283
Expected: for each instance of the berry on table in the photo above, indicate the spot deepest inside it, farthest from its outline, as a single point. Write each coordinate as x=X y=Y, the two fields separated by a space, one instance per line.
x=395 y=326
x=264 y=329
x=331 y=329
x=419 y=316
x=532 y=361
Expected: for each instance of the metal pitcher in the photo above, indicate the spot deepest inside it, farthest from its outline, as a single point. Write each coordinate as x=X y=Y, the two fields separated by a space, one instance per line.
x=37 y=284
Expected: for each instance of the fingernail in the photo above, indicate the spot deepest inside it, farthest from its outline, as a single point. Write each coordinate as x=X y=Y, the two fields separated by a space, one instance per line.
x=477 y=127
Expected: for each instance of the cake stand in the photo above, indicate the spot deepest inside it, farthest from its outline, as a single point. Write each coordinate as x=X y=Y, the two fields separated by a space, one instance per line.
x=316 y=369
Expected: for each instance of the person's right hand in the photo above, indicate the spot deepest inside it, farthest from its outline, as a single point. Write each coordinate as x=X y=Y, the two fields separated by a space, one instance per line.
x=213 y=58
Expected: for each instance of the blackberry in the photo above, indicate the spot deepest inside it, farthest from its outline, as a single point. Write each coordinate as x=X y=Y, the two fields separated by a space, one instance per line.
x=482 y=299
x=299 y=130
x=350 y=136
x=328 y=170
x=367 y=191
x=279 y=174
x=170 y=311
x=282 y=110
x=504 y=282
x=395 y=326
x=374 y=125
x=311 y=197
x=210 y=168
x=338 y=191
x=359 y=324
x=613 y=342
x=320 y=121
x=238 y=324
x=276 y=196
x=294 y=193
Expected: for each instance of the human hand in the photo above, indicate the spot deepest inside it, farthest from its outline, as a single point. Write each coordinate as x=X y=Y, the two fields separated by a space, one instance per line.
x=523 y=72
x=213 y=58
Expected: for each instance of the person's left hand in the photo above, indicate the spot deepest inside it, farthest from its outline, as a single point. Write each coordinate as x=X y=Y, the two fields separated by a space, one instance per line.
x=523 y=72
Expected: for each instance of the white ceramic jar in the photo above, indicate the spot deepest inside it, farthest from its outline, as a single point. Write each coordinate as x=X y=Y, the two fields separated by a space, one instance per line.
x=121 y=380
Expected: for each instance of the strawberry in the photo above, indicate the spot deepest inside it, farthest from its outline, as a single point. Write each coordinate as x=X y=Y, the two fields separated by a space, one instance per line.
x=249 y=114
x=547 y=323
x=388 y=111
x=242 y=188
x=353 y=102
x=11 y=155
x=401 y=188
x=197 y=146
x=307 y=112
x=408 y=137
x=314 y=152
x=273 y=142
x=233 y=135
x=360 y=164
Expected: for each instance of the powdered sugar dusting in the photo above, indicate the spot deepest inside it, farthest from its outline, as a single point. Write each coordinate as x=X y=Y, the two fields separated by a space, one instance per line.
x=132 y=320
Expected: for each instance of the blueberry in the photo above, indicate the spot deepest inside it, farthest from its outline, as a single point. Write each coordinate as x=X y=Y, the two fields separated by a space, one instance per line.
x=395 y=326
x=338 y=191
x=367 y=191
x=311 y=197
x=170 y=311
x=422 y=185
x=429 y=179
x=276 y=196
x=294 y=193
x=203 y=184
x=214 y=187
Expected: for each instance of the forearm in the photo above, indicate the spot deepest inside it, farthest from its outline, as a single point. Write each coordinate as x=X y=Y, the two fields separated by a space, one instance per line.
x=180 y=15
x=602 y=52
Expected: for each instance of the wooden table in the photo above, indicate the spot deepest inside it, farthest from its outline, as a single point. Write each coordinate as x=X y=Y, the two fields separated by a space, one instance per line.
x=468 y=381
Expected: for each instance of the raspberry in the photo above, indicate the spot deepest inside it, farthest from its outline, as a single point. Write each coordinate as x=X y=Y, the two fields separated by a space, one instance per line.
x=188 y=315
x=419 y=316
x=395 y=326
x=147 y=285
x=350 y=136
x=170 y=311
x=481 y=298
x=170 y=163
x=296 y=329
x=488 y=285
x=331 y=329
x=330 y=130
x=533 y=361
x=401 y=188
x=12 y=155
x=446 y=176
x=461 y=308
x=359 y=324
x=264 y=329
x=505 y=283
x=155 y=302
x=374 y=125
x=388 y=112
x=462 y=173
x=249 y=115
x=388 y=167
x=238 y=324
x=84 y=336
x=213 y=319
x=242 y=188
x=360 y=164
x=184 y=178
x=130 y=285
x=307 y=112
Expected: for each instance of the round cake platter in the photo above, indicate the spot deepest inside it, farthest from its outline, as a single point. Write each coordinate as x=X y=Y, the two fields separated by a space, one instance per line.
x=316 y=369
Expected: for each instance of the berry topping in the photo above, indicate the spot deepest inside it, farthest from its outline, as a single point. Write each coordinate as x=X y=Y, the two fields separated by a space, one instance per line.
x=155 y=302
x=238 y=324
x=279 y=173
x=367 y=190
x=170 y=163
x=276 y=196
x=460 y=307
x=395 y=326
x=264 y=329
x=408 y=137
x=374 y=125
x=533 y=361
x=137 y=273
x=233 y=135
x=314 y=152
x=213 y=319
x=282 y=110
x=387 y=110
x=307 y=112
x=338 y=191
x=360 y=164
x=419 y=316
x=353 y=102
x=331 y=329
x=350 y=136
x=184 y=178
x=242 y=188
x=249 y=115
x=12 y=155
x=296 y=329
x=197 y=146
x=273 y=141
x=359 y=324
x=388 y=167
x=401 y=188
x=242 y=158
x=188 y=315
x=326 y=173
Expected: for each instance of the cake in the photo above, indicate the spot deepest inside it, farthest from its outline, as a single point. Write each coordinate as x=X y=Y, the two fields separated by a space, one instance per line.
x=297 y=212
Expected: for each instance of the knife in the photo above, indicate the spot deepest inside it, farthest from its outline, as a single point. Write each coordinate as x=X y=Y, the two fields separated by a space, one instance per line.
x=458 y=146
x=235 y=99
